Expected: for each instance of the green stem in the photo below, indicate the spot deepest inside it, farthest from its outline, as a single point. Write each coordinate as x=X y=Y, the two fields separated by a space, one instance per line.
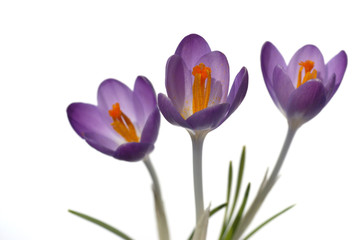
x=152 y=172
x=197 y=145
x=267 y=185
x=162 y=224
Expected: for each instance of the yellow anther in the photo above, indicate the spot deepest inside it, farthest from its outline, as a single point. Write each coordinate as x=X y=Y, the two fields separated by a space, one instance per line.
x=122 y=124
x=309 y=74
x=201 y=87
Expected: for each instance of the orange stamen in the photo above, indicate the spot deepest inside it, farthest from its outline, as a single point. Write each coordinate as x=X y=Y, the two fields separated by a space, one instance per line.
x=308 y=67
x=201 y=88
x=122 y=124
x=115 y=112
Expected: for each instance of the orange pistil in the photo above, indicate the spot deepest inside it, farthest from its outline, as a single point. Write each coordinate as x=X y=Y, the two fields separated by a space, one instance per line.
x=308 y=67
x=201 y=88
x=122 y=124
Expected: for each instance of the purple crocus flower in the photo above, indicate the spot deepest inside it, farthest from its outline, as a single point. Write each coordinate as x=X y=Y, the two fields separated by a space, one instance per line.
x=124 y=124
x=197 y=81
x=302 y=88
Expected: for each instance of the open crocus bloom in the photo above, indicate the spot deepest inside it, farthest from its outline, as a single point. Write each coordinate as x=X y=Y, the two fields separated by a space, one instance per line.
x=197 y=81
x=302 y=88
x=124 y=124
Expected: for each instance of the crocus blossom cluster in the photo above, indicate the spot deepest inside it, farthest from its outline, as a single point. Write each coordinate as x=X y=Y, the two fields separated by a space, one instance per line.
x=302 y=88
x=197 y=82
x=124 y=124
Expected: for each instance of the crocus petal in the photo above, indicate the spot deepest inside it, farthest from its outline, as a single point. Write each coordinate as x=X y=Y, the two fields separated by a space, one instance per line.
x=146 y=94
x=330 y=87
x=337 y=65
x=238 y=91
x=85 y=118
x=170 y=112
x=308 y=52
x=179 y=83
x=191 y=48
x=270 y=57
x=101 y=143
x=151 y=128
x=218 y=63
x=306 y=102
x=133 y=151
x=283 y=88
x=208 y=118
x=112 y=91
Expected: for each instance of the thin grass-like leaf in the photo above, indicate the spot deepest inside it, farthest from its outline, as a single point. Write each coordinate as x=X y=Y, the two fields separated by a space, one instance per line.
x=215 y=210
x=239 y=181
x=229 y=188
x=229 y=185
x=266 y=222
x=211 y=213
x=101 y=224
x=238 y=218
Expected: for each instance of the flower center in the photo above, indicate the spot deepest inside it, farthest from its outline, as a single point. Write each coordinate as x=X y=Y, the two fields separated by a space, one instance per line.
x=122 y=124
x=309 y=74
x=201 y=88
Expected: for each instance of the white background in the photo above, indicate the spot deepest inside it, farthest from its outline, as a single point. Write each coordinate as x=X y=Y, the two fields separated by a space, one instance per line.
x=53 y=53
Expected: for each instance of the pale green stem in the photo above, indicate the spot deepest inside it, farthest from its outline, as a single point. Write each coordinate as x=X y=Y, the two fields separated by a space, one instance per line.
x=266 y=186
x=162 y=224
x=197 y=145
x=151 y=170
x=288 y=140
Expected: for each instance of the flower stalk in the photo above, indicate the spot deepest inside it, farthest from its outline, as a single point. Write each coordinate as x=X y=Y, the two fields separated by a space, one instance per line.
x=266 y=186
x=162 y=225
x=283 y=153
x=197 y=146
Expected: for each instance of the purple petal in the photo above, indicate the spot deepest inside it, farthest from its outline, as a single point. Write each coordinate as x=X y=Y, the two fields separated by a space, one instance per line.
x=238 y=91
x=133 y=151
x=270 y=57
x=330 y=88
x=208 y=118
x=101 y=143
x=283 y=88
x=308 y=52
x=306 y=102
x=152 y=126
x=178 y=83
x=191 y=48
x=337 y=65
x=85 y=118
x=218 y=63
x=169 y=111
x=112 y=91
x=146 y=94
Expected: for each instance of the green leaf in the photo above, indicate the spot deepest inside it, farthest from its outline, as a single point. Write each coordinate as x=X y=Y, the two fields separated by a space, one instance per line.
x=211 y=213
x=229 y=188
x=215 y=210
x=266 y=222
x=101 y=224
x=239 y=181
x=238 y=218
x=226 y=220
